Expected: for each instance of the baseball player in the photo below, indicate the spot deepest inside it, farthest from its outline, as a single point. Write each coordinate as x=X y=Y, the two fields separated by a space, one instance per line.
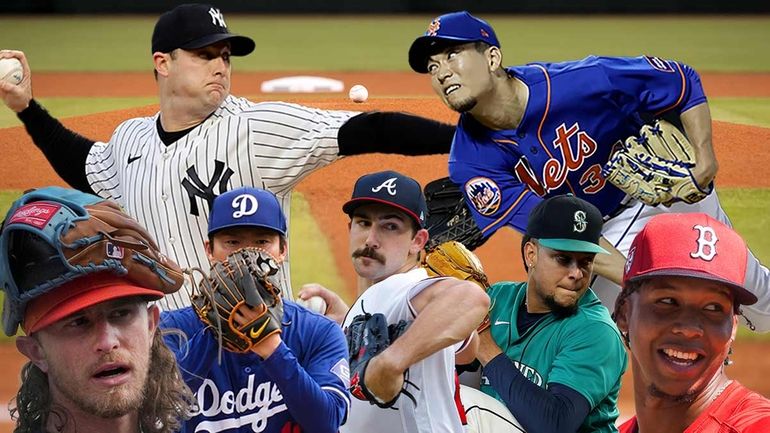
x=166 y=170
x=97 y=362
x=387 y=212
x=530 y=132
x=291 y=381
x=568 y=357
x=683 y=287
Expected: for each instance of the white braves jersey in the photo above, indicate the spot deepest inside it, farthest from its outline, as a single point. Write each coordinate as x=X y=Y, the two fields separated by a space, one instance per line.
x=433 y=377
x=169 y=188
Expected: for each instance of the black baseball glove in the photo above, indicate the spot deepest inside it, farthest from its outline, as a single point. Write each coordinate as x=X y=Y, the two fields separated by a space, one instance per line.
x=449 y=218
x=242 y=280
x=368 y=335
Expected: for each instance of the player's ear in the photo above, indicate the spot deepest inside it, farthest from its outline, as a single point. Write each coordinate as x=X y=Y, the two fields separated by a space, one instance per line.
x=419 y=241
x=530 y=254
x=160 y=61
x=30 y=347
x=495 y=58
x=209 y=246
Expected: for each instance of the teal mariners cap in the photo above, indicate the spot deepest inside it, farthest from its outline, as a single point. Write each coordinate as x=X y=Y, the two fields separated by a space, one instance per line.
x=567 y=223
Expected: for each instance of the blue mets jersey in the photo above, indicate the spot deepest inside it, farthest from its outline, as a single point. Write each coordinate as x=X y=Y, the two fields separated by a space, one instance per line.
x=302 y=386
x=576 y=113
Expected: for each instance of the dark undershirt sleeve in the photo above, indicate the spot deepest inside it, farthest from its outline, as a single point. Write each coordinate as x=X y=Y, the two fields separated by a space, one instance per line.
x=557 y=409
x=391 y=132
x=65 y=150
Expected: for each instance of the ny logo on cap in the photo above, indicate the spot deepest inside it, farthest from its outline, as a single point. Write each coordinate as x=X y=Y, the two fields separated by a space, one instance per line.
x=580 y=222
x=707 y=241
x=217 y=17
x=246 y=205
x=390 y=184
x=433 y=27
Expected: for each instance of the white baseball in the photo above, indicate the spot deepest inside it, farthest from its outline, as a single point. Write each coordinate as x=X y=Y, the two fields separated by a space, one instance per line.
x=314 y=303
x=11 y=70
x=358 y=93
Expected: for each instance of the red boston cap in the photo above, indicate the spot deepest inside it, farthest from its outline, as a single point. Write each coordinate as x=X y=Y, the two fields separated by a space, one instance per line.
x=690 y=245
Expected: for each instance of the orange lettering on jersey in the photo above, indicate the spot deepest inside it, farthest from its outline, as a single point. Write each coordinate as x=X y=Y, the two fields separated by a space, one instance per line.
x=565 y=160
x=593 y=177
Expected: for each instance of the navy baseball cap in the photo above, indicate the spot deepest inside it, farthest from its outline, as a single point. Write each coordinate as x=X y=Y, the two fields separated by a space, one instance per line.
x=390 y=188
x=567 y=223
x=449 y=29
x=191 y=26
x=247 y=206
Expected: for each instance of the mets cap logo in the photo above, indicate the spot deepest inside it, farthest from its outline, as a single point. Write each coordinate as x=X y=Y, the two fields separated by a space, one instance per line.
x=433 y=27
x=484 y=194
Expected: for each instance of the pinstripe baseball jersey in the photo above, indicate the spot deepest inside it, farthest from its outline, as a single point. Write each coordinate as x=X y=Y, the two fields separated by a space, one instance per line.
x=169 y=188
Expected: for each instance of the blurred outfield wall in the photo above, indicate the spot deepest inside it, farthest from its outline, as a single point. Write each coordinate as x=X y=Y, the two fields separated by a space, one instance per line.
x=397 y=6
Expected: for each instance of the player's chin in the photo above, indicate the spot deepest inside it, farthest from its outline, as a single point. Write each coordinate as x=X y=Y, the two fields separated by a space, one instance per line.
x=461 y=105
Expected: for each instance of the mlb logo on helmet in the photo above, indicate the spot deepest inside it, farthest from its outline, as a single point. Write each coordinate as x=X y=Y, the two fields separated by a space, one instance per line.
x=244 y=207
x=690 y=245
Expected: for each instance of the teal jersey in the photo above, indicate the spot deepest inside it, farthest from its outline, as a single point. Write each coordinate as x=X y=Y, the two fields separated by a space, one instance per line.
x=584 y=351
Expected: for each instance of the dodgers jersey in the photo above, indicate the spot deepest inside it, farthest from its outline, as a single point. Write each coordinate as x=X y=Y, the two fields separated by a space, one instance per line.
x=576 y=113
x=583 y=351
x=169 y=188
x=303 y=383
x=433 y=377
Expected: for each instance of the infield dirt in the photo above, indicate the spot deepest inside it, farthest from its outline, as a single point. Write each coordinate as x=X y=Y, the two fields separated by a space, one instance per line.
x=326 y=189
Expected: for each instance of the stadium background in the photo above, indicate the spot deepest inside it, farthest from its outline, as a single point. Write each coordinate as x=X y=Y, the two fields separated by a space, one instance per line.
x=94 y=71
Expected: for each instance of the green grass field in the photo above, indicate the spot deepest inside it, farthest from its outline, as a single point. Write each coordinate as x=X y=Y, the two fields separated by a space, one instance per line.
x=374 y=43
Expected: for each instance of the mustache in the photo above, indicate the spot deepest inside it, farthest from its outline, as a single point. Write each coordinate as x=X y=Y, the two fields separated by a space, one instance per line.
x=368 y=252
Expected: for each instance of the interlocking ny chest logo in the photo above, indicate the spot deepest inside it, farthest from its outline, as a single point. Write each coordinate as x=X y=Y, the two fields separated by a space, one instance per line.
x=197 y=189
x=571 y=149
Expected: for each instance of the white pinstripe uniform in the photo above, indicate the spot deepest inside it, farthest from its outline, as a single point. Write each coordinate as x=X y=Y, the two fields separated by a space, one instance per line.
x=168 y=189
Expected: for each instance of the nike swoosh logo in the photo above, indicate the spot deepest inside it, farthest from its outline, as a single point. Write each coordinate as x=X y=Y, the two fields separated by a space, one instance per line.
x=253 y=334
x=133 y=158
x=500 y=322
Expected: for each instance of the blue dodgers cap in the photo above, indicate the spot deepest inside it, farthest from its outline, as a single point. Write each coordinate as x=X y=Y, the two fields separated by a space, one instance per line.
x=450 y=29
x=390 y=188
x=247 y=206
x=195 y=25
x=567 y=223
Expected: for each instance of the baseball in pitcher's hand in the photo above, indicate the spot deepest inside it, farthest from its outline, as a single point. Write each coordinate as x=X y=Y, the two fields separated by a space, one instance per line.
x=336 y=308
x=17 y=96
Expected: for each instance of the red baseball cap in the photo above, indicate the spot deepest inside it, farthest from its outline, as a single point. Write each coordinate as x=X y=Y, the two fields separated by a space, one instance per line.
x=79 y=294
x=690 y=245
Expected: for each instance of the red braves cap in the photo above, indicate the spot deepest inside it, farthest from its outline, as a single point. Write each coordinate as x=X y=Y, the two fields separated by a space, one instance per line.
x=79 y=294
x=690 y=245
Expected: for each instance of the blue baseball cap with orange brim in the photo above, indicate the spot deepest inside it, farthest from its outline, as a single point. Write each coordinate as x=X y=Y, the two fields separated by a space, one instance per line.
x=448 y=30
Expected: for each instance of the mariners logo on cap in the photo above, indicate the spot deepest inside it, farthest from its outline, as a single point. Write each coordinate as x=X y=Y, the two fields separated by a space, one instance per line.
x=389 y=184
x=707 y=243
x=580 y=222
x=246 y=204
x=433 y=27
x=484 y=194
x=217 y=18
